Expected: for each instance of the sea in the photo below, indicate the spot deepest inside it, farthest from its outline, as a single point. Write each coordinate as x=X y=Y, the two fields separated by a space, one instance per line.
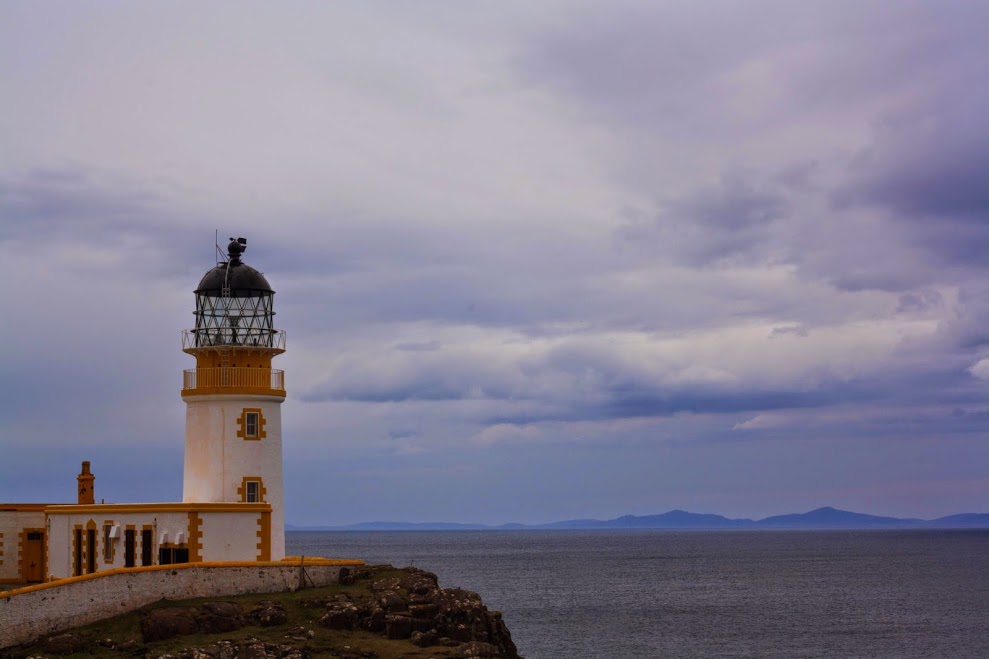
x=659 y=593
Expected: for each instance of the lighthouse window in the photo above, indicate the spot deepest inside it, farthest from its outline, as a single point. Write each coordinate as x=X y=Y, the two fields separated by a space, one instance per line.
x=251 y=424
x=253 y=491
x=107 y=543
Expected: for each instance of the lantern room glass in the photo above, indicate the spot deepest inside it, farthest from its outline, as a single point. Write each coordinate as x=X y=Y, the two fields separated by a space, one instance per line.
x=243 y=318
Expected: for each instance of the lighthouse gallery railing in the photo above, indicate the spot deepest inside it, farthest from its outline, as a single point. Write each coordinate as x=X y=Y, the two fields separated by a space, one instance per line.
x=233 y=376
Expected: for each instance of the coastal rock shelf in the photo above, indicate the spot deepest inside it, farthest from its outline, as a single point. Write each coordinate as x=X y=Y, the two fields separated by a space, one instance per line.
x=377 y=611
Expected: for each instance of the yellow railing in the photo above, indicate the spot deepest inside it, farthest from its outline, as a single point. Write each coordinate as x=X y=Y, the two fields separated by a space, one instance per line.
x=234 y=376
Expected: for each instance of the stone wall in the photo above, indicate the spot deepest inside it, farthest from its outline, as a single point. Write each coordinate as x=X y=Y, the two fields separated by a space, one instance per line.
x=28 y=613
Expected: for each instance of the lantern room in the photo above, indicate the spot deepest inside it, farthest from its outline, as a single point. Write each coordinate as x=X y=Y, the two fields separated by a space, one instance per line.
x=234 y=337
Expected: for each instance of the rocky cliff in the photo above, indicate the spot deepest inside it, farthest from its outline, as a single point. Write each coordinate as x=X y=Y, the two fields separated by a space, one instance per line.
x=377 y=611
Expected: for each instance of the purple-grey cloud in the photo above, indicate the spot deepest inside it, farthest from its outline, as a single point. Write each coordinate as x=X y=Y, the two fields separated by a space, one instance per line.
x=608 y=239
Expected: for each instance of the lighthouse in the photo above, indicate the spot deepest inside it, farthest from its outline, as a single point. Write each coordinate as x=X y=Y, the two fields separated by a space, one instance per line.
x=233 y=397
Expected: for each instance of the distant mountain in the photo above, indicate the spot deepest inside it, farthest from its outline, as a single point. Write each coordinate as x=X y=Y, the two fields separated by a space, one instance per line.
x=675 y=519
x=832 y=518
x=393 y=526
x=962 y=521
x=821 y=518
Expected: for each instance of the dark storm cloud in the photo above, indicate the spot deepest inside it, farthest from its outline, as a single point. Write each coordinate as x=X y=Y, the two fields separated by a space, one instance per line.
x=68 y=200
x=929 y=168
x=798 y=257
x=646 y=402
x=670 y=65
x=578 y=384
x=75 y=208
x=718 y=73
x=447 y=378
x=727 y=223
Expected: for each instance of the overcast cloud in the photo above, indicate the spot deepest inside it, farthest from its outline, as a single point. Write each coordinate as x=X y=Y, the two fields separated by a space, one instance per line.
x=579 y=260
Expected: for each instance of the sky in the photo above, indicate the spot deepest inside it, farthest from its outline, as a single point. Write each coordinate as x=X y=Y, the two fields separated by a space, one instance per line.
x=535 y=261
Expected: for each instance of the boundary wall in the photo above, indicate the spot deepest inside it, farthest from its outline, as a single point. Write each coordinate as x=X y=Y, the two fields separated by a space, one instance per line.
x=35 y=611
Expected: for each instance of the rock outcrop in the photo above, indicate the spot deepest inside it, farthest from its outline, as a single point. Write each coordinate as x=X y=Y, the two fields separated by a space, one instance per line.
x=416 y=608
x=379 y=612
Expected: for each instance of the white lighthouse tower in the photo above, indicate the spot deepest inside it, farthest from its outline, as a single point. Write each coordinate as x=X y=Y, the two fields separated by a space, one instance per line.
x=233 y=432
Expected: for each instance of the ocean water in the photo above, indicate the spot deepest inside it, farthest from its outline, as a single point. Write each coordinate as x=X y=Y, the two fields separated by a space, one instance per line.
x=645 y=593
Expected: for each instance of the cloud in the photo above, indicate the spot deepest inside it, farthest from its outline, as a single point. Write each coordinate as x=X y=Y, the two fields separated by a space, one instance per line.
x=980 y=369
x=603 y=237
x=926 y=168
x=789 y=331
x=728 y=223
x=622 y=375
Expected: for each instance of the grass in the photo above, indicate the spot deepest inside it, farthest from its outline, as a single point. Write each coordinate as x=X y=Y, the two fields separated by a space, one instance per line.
x=126 y=629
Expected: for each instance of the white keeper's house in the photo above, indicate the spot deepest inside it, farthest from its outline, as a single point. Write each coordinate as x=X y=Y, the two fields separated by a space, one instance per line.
x=232 y=503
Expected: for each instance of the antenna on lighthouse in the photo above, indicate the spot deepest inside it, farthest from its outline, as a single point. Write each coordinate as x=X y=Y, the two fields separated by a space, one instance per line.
x=220 y=255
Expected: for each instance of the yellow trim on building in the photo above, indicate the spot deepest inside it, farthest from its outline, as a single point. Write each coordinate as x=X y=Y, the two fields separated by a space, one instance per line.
x=234 y=391
x=249 y=357
x=264 y=537
x=195 y=537
x=108 y=508
x=259 y=431
x=242 y=490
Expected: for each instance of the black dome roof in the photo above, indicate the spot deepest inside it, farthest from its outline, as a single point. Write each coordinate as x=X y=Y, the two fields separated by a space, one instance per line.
x=241 y=279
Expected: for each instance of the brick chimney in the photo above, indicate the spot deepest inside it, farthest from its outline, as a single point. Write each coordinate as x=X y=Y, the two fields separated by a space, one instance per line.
x=86 y=494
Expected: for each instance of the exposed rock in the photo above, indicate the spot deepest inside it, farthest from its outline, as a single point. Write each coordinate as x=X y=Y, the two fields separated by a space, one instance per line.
x=424 y=639
x=419 y=582
x=386 y=584
x=160 y=624
x=398 y=626
x=478 y=649
x=268 y=614
x=256 y=650
x=392 y=602
x=340 y=615
x=409 y=608
x=209 y=618
x=224 y=609
x=63 y=643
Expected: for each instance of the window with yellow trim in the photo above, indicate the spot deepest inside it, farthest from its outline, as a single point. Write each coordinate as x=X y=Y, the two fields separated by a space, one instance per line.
x=250 y=424
x=107 y=543
x=252 y=489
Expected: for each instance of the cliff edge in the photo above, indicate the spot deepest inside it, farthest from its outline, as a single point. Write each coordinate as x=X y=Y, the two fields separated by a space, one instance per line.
x=376 y=611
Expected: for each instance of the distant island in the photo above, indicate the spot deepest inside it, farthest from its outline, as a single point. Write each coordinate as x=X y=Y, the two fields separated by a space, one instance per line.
x=821 y=518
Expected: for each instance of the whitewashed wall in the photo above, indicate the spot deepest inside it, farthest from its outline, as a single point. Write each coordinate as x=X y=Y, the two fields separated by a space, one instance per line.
x=60 y=537
x=56 y=607
x=230 y=536
x=217 y=460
